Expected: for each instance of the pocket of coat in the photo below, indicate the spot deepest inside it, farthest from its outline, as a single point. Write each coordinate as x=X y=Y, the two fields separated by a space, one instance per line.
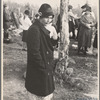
x=40 y=64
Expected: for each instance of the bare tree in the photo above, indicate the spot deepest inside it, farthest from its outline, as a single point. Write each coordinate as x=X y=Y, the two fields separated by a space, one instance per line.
x=64 y=43
x=62 y=70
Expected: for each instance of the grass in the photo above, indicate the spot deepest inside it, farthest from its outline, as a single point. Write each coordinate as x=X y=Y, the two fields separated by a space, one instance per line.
x=14 y=65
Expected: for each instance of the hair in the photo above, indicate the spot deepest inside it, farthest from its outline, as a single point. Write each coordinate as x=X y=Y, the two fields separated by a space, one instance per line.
x=26 y=12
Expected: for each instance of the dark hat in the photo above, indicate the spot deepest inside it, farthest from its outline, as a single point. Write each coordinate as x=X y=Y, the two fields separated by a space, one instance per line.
x=46 y=10
x=5 y=5
x=70 y=6
x=26 y=12
x=88 y=9
x=85 y=6
x=36 y=15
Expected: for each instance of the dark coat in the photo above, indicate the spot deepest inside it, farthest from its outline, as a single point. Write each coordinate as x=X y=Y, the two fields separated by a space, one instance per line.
x=85 y=33
x=6 y=20
x=24 y=36
x=95 y=43
x=40 y=63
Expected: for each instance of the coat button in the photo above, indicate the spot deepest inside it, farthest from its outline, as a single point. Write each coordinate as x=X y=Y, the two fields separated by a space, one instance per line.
x=47 y=52
x=48 y=74
x=48 y=63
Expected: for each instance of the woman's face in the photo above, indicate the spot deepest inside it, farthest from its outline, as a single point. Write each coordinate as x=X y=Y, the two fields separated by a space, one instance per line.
x=46 y=20
x=88 y=12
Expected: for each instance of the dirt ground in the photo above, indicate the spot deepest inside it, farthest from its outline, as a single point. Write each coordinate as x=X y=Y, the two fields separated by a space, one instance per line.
x=84 y=70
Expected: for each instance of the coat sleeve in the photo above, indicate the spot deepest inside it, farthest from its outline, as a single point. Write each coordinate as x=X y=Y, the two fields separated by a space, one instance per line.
x=33 y=45
x=72 y=15
x=93 y=22
x=6 y=17
x=82 y=21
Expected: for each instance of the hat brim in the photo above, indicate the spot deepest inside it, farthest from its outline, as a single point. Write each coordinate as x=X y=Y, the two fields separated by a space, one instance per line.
x=47 y=14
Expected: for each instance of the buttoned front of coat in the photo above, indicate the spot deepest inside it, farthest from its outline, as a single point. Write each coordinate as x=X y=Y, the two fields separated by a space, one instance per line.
x=40 y=63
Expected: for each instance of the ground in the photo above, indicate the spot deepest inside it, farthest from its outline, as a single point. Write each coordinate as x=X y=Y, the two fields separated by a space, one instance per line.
x=84 y=70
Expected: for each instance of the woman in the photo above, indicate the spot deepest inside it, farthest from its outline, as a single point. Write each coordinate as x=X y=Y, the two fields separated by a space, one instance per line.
x=25 y=24
x=85 y=33
x=71 y=18
x=40 y=64
x=6 y=23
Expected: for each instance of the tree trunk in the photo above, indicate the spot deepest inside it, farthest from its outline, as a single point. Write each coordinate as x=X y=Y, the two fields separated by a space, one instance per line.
x=64 y=42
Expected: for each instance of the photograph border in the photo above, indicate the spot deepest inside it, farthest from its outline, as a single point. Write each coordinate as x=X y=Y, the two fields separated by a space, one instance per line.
x=1 y=47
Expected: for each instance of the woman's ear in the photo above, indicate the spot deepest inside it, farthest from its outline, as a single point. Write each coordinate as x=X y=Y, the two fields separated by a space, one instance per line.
x=40 y=14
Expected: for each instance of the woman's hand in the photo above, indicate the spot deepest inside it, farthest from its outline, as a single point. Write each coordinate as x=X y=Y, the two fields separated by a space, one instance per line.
x=88 y=26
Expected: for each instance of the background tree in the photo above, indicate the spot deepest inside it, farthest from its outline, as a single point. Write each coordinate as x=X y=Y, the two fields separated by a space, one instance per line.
x=62 y=70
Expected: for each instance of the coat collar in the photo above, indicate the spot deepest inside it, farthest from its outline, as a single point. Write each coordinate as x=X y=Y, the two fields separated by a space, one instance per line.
x=45 y=31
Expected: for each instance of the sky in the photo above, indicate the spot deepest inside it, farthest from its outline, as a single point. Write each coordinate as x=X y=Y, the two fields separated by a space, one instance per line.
x=56 y=3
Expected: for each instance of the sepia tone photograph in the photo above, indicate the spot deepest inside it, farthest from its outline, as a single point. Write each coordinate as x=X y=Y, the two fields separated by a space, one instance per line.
x=50 y=50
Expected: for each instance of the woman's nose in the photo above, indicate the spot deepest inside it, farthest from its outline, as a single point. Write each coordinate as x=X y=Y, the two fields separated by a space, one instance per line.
x=49 y=19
